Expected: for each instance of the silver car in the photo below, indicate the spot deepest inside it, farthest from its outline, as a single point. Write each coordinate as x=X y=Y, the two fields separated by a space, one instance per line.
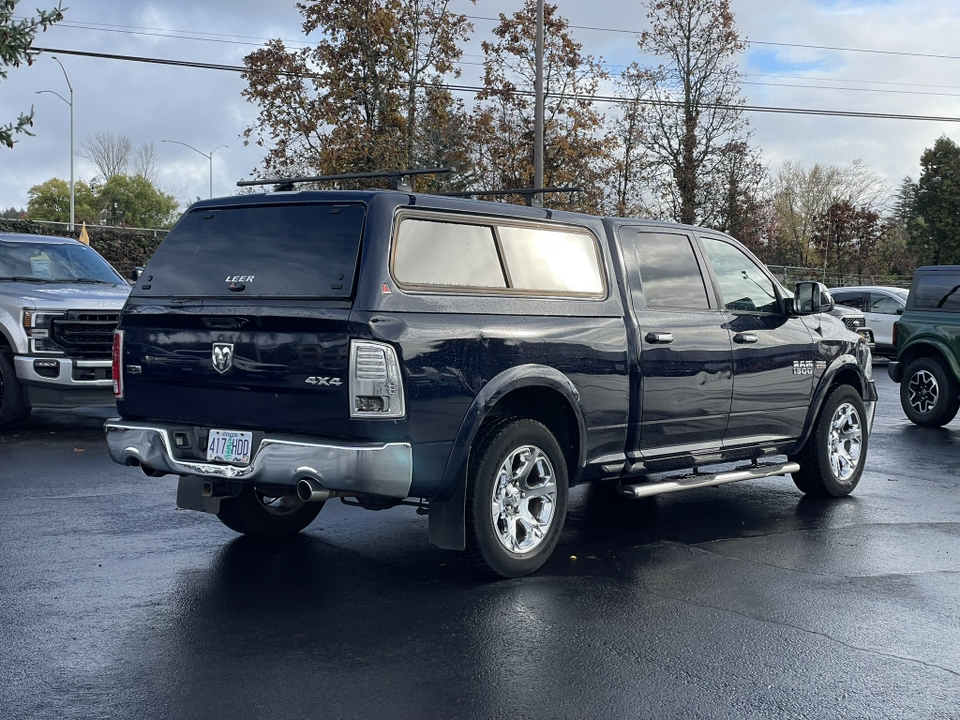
x=881 y=306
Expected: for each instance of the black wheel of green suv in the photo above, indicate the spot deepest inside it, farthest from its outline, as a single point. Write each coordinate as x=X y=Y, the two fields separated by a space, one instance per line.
x=13 y=405
x=831 y=461
x=929 y=393
x=256 y=513
x=516 y=497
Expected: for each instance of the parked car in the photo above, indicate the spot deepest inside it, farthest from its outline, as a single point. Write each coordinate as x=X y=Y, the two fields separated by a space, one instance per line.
x=881 y=307
x=59 y=304
x=855 y=321
x=475 y=359
x=927 y=337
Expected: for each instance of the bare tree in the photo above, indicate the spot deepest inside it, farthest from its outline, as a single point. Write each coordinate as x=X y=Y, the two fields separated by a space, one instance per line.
x=631 y=165
x=109 y=152
x=145 y=163
x=695 y=121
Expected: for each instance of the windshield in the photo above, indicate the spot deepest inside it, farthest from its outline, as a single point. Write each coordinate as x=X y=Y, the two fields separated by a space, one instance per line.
x=53 y=263
x=283 y=250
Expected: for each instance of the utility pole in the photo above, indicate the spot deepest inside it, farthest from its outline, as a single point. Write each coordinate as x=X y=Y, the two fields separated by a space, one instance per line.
x=70 y=103
x=538 y=111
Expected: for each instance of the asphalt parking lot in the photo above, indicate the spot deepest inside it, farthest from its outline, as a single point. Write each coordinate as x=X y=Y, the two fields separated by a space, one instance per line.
x=744 y=601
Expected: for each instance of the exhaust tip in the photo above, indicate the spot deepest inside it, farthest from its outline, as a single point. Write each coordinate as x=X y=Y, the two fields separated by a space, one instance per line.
x=310 y=490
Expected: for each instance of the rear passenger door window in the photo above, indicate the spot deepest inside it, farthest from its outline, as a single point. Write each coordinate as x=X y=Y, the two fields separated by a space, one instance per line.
x=854 y=300
x=669 y=272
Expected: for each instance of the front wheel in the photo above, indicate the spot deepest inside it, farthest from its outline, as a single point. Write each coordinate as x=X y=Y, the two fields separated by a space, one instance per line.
x=831 y=461
x=516 y=498
x=13 y=404
x=929 y=393
x=264 y=515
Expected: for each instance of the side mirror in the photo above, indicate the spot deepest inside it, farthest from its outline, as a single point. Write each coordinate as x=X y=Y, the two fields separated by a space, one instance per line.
x=899 y=311
x=812 y=297
x=136 y=273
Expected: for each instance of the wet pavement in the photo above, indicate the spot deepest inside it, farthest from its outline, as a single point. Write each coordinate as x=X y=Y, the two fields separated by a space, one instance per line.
x=743 y=601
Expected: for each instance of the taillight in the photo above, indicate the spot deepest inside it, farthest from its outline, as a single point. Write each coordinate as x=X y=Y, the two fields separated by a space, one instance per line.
x=376 y=387
x=118 y=364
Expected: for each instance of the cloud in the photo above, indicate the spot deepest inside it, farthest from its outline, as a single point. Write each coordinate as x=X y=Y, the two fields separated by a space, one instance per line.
x=203 y=108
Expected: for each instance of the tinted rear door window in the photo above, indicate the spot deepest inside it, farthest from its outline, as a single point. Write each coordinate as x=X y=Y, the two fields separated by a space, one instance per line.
x=669 y=272
x=938 y=292
x=276 y=250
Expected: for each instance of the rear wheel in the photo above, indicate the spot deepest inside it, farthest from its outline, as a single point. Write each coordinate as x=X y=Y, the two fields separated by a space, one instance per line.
x=929 y=393
x=516 y=498
x=263 y=515
x=831 y=461
x=13 y=403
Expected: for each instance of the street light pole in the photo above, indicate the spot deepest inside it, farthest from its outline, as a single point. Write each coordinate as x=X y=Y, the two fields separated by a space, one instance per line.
x=208 y=156
x=70 y=103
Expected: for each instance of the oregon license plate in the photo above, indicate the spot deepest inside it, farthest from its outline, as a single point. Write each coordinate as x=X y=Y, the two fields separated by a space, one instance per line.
x=231 y=446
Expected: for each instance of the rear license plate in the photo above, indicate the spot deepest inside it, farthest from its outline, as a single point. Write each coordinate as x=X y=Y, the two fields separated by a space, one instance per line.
x=231 y=446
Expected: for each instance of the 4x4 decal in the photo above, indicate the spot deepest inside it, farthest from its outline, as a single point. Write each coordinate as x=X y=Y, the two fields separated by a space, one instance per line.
x=325 y=381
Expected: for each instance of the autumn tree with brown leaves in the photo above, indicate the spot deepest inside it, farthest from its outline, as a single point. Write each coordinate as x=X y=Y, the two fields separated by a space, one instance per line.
x=575 y=147
x=694 y=130
x=355 y=101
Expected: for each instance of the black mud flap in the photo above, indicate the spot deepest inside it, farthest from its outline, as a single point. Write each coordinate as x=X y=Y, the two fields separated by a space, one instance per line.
x=190 y=496
x=447 y=520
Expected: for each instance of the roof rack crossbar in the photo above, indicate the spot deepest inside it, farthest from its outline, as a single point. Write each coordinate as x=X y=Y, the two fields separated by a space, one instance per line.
x=530 y=194
x=399 y=179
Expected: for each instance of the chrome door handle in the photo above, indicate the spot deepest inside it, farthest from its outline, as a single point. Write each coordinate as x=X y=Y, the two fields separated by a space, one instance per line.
x=745 y=338
x=655 y=338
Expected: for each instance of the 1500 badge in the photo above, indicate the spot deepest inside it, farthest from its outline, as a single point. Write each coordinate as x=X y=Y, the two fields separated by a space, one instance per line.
x=325 y=381
x=807 y=367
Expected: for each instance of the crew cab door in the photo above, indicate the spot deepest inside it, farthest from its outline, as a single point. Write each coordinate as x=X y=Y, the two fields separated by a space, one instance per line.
x=683 y=378
x=773 y=358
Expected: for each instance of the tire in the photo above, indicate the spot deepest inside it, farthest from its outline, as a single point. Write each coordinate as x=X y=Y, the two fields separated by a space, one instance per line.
x=929 y=393
x=13 y=403
x=254 y=513
x=831 y=461
x=516 y=498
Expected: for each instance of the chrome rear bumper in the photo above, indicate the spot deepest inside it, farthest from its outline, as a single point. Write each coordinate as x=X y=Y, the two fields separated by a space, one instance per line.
x=377 y=469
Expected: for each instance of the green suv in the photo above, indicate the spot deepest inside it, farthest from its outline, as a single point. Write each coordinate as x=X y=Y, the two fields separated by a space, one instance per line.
x=927 y=337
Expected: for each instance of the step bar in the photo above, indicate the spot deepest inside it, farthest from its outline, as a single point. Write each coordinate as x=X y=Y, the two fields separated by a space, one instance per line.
x=699 y=480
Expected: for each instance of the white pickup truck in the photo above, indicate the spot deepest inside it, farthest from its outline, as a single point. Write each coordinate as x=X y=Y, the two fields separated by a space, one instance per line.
x=59 y=304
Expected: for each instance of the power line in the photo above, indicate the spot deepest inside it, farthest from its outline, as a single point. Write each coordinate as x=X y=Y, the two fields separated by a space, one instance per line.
x=475 y=89
x=762 y=42
x=245 y=39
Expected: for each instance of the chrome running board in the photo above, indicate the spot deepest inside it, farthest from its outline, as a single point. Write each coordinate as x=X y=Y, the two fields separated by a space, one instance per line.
x=699 y=480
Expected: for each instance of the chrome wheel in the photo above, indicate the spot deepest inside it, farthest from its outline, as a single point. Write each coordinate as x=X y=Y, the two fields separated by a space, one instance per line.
x=524 y=499
x=924 y=391
x=846 y=441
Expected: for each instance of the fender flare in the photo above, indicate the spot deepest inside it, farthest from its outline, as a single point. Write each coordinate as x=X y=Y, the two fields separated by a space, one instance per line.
x=826 y=384
x=926 y=345
x=447 y=508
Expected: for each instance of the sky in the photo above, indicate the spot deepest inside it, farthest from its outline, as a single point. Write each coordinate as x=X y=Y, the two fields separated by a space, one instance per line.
x=895 y=57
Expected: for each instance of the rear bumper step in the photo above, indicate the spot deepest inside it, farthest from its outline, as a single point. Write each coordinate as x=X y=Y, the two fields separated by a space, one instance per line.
x=375 y=469
x=698 y=480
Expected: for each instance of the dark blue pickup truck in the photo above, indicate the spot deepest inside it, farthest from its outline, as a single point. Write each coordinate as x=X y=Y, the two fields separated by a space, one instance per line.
x=475 y=359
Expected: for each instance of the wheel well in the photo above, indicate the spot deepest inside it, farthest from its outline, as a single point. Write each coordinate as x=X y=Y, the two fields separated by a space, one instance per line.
x=549 y=408
x=923 y=350
x=849 y=376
